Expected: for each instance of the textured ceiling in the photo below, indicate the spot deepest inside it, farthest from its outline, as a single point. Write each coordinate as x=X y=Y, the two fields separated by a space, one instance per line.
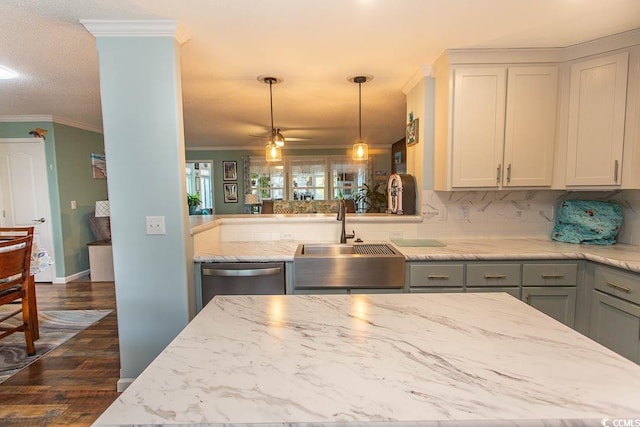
x=314 y=45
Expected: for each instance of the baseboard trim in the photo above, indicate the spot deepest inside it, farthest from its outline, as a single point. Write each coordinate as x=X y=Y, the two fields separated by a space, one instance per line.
x=63 y=280
x=123 y=383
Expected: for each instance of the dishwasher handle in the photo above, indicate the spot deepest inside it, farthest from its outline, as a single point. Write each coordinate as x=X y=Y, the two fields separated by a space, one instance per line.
x=249 y=272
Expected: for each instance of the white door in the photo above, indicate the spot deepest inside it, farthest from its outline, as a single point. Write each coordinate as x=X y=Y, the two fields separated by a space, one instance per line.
x=24 y=192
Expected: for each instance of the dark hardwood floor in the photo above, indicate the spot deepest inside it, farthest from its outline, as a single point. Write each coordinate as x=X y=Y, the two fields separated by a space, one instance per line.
x=74 y=383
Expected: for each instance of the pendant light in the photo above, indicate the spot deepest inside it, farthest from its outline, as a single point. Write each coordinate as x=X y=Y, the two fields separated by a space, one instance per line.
x=360 y=148
x=273 y=153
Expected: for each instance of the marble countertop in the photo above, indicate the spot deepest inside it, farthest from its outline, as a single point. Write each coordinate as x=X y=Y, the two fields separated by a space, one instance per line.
x=391 y=360
x=619 y=255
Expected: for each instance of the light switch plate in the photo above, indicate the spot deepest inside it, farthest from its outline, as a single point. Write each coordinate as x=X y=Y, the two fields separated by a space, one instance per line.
x=155 y=225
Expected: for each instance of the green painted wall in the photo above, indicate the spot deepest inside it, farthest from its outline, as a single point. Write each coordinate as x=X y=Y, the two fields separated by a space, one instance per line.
x=381 y=162
x=67 y=168
x=75 y=182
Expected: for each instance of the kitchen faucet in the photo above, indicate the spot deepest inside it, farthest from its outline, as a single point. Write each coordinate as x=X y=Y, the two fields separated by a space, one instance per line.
x=342 y=213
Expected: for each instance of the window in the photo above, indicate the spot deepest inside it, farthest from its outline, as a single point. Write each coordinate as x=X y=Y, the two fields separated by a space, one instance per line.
x=308 y=177
x=199 y=181
x=267 y=179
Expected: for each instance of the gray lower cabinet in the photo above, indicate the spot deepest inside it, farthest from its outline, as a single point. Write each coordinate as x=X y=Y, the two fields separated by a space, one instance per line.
x=435 y=277
x=615 y=323
x=550 y=287
x=554 y=301
x=615 y=311
x=493 y=274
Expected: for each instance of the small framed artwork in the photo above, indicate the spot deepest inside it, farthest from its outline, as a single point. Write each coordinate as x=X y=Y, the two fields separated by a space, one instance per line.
x=98 y=166
x=231 y=192
x=412 y=132
x=230 y=169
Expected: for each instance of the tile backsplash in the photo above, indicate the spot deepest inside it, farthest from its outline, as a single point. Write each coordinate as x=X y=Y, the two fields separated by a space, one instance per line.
x=492 y=214
x=460 y=214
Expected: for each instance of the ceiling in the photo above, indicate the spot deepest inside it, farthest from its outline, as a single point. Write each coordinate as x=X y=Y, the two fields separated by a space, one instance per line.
x=313 y=45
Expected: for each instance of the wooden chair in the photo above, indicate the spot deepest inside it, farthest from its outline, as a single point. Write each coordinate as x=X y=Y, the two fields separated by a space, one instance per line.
x=12 y=233
x=15 y=262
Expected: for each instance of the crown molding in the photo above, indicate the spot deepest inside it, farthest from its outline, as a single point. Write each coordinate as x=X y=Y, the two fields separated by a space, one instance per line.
x=21 y=140
x=422 y=72
x=52 y=119
x=136 y=28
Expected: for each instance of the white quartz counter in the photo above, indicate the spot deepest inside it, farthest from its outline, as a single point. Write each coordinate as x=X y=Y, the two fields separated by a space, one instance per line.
x=619 y=255
x=390 y=360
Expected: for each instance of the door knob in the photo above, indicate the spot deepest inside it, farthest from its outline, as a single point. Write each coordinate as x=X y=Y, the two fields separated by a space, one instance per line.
x=39 y=220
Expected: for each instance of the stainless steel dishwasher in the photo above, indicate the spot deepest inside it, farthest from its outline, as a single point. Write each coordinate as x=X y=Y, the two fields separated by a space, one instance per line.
x=240 y=278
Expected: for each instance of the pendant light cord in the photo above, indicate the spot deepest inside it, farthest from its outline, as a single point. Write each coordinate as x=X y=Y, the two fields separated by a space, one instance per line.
x=271 y=102
x=360 y=110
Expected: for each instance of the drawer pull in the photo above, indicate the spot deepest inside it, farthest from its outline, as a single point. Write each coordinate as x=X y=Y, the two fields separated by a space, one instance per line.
x=553 y=276
x=495 y=276
x=619 y=287
x=437 y=277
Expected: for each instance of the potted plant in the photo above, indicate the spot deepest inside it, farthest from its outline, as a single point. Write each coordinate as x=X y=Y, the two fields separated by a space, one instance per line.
x=374 y=199
x=193 y=200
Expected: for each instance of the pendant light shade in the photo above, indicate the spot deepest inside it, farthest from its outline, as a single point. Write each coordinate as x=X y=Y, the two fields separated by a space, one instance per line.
x=273 y=153
x=360 y=148
x=360 y=151
x=276 y=139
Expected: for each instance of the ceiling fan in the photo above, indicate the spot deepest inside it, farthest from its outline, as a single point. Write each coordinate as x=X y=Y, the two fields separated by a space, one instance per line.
x=278 y=136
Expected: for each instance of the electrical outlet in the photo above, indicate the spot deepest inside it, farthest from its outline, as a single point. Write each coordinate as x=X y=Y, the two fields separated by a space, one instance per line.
x=73 y=204
x=396 y=235
x=286 y=236
x=155 y=225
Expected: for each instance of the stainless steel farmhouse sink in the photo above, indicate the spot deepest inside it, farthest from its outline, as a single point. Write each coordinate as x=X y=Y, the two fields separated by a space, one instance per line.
x=318 y=266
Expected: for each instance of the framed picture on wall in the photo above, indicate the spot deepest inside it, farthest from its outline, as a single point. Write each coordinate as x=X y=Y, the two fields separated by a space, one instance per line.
x=412 y=132
x=230 y=170
x=231 y=192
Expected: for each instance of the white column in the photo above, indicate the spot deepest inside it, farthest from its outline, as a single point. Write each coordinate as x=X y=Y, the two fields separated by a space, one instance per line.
x=144 y=147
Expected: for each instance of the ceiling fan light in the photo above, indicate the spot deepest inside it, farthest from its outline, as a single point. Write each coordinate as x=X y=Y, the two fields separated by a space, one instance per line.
x=278 y=138
x=360 y=151
x=273 y=153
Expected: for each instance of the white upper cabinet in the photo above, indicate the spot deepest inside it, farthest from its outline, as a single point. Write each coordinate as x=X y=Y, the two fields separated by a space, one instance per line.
x=597 y=101
x=478 y=126
x=530 y=129
x=556 y=118
x=502 y=128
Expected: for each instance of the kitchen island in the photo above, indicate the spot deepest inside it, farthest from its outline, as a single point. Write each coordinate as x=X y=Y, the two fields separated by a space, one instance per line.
x=397 y=359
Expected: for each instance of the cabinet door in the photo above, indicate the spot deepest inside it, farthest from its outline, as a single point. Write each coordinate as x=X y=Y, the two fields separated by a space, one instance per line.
x=615 y=323
x=597 y=100
x=556 y=302
x=530 y=128
x=478 y=126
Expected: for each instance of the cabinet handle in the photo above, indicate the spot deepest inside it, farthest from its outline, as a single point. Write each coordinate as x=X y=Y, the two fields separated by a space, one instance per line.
x=509 y=173
x=499 y=174
x=495 y=276
x=615 y=171
x=553 y=276
x=619 y=287
x=438 y=277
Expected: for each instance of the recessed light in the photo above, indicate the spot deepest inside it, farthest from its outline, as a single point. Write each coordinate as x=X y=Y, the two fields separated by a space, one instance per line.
x=7 y=73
